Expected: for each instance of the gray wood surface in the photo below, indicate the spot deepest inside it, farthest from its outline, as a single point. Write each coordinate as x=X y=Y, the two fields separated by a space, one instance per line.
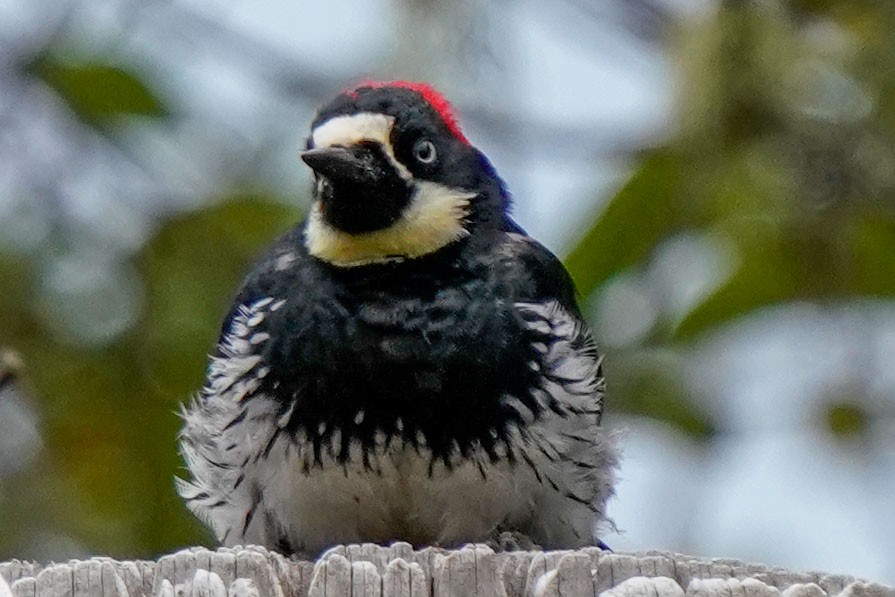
x=400 y=571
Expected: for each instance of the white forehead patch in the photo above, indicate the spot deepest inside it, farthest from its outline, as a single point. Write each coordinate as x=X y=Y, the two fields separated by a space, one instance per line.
x=354 y=128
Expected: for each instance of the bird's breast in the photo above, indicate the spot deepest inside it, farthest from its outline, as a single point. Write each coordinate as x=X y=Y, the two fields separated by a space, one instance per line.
x=430 y=368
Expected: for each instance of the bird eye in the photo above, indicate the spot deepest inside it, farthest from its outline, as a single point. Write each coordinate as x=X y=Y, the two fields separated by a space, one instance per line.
x=424 y=151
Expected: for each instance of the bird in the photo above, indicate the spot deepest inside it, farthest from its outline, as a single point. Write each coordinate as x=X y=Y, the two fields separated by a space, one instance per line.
x=406 y=363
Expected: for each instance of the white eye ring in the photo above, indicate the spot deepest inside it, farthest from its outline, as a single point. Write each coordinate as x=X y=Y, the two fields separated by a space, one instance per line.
x=424 y=151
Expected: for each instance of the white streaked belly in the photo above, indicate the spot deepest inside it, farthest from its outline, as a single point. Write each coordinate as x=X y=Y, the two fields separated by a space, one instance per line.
x=398 y=499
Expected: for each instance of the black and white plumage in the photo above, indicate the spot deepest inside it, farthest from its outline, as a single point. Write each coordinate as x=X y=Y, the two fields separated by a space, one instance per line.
x=407 y=364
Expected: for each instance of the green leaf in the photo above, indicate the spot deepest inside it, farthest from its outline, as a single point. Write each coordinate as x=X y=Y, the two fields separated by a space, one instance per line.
x=767 y=274
x=14 y=300
x=98 y=92
x=638 y=217
x=847 y=419
x=873 y=243
x=647 y=383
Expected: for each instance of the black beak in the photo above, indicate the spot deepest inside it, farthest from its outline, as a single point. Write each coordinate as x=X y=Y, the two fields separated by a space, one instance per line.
x=354 y=164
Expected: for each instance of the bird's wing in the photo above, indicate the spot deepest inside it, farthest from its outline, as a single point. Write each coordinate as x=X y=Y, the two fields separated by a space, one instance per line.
x=237 y=367
x=537 y=274
x=581 y=457
x=231 y=420
x=570 y=366
x=545 y=303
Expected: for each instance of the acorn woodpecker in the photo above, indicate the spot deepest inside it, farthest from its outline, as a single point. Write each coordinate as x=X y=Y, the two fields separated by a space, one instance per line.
x=407 y=363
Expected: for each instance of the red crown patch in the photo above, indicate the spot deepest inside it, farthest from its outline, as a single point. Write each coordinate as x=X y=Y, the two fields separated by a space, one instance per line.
x=435 y=99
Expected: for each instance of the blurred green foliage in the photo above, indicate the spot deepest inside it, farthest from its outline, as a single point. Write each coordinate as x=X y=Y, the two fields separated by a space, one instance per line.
x=786 y=153
x=784 y=150
x=109 y=414
x=612 y=244
x=847 y=419
x=97 y=92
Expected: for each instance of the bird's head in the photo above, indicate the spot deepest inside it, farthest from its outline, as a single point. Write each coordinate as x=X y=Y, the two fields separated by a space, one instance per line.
x=394 y=177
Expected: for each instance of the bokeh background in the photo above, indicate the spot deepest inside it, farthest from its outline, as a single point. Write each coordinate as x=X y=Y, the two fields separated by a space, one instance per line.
x=719 y=176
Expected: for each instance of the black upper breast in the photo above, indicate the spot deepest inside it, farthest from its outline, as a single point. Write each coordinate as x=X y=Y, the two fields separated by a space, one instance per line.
x=425 y=356
x=429 y=352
